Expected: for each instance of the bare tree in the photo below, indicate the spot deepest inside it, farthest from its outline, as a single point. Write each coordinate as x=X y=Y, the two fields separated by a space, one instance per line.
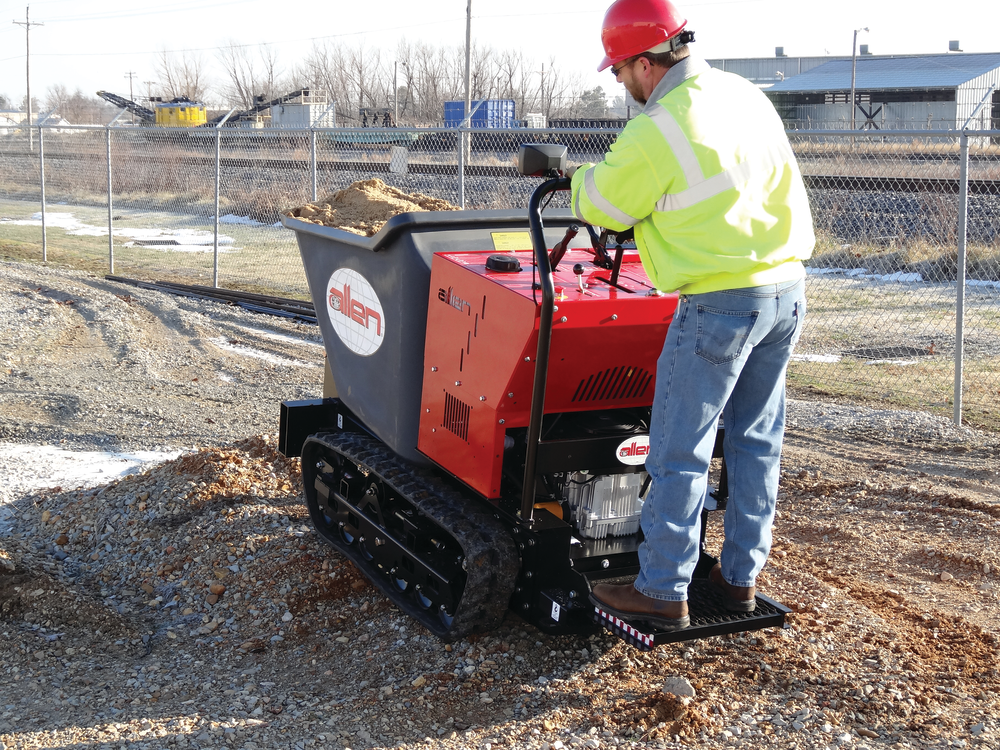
x=483 y=74
x=182 y=76
x=344 y=75
x=56 y=97
x=560 y=94
x=516 y=81
x=427 y=76
x=251 y=73
x=405 y=94
x=76 y=107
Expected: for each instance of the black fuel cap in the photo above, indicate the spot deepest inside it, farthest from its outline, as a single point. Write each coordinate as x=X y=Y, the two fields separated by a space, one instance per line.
x=503 y=263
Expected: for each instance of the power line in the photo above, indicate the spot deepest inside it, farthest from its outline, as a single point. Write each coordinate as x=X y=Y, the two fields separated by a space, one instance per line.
x=437 y=22
x=112 y=15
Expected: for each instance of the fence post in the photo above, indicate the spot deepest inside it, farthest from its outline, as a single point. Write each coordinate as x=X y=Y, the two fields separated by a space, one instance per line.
x=461 y=167
x=218 y=178
x=111 y=226
x=963 y=230
x=963 y=216
x=312 y=162
x=41 y=172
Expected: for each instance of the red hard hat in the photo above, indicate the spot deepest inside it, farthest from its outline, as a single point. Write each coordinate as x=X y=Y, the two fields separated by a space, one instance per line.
x=632 y=27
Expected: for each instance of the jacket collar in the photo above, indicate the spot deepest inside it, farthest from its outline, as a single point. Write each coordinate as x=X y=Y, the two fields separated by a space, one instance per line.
x=686 y=68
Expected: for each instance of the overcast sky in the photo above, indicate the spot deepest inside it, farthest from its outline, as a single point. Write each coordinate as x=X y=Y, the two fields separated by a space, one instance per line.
x=93 y=44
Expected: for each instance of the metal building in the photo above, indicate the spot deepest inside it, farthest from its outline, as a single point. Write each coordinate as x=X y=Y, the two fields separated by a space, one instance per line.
x=910 y=92
x=767 y=71
x=303 y=109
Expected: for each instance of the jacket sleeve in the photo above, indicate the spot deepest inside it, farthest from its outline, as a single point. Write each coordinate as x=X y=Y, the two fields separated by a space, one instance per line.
x=624 y=188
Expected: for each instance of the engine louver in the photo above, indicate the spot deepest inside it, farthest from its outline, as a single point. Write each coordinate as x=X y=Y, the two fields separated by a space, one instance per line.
x=614 y=384
x=456 y=416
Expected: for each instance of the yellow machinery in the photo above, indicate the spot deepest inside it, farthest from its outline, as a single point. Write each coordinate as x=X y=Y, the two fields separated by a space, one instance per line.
x=182 y=113
x=185 y=113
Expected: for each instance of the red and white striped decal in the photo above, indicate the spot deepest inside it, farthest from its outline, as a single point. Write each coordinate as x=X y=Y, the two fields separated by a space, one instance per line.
x=625 y=627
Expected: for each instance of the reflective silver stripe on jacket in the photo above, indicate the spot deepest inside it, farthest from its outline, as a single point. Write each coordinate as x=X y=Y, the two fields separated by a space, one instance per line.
x=601 y=203
x=775 y=157
x=678 y=143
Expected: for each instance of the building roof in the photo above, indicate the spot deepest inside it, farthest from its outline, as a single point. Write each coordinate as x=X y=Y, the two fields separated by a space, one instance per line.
x=873 y=73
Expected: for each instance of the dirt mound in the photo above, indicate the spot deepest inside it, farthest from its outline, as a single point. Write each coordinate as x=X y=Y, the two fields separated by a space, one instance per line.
x=364 y=207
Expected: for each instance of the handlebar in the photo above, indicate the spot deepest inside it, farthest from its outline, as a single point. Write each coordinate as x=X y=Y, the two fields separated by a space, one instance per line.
x=544 y=338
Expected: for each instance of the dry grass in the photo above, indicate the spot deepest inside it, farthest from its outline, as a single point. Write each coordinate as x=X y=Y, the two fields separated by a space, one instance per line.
x=931 y=259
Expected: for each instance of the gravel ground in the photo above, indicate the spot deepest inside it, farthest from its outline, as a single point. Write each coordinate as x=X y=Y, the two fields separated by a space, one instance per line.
x=189 y=605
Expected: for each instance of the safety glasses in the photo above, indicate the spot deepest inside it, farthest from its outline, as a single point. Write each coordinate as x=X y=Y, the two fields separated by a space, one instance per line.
x=618 y=71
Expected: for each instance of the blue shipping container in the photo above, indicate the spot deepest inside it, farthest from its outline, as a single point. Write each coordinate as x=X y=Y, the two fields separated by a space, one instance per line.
x=491 y=113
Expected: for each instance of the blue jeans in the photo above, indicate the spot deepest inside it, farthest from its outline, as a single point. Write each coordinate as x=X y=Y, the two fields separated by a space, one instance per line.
x=725 y=353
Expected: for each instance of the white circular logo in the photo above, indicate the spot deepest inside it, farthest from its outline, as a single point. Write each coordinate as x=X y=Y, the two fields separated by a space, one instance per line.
x=355 y=311
x=634 y=450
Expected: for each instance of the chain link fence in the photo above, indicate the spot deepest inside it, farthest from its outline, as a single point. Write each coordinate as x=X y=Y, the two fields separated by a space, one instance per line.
x=885 y=290
x=904 y=294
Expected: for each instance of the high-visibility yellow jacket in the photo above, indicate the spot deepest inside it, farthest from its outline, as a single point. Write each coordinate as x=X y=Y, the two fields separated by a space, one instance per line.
x=708 y=179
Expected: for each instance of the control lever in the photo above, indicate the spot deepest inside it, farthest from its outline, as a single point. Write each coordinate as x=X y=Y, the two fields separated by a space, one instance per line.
x=602 y=259
x=560 y=250
x=578 y=270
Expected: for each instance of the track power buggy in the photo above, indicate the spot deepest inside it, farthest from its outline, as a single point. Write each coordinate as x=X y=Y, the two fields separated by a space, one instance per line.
x=481 y=445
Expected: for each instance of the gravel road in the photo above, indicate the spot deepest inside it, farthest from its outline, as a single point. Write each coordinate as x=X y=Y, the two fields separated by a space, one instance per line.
x=189 y=605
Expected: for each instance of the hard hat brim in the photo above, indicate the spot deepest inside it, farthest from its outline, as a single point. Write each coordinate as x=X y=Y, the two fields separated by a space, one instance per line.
x=605 y=64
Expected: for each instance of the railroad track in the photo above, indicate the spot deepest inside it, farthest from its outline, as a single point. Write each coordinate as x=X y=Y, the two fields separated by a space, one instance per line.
x=854 y=183
x=281 y=306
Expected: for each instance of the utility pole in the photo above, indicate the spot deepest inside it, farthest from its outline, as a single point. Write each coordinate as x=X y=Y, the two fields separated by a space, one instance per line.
x=544 y=110
x=27 y=24
x=854 y=70
x=468 y=58
x=131 y=75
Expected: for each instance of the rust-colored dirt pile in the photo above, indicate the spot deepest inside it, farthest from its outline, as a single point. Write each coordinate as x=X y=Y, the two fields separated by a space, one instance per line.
x=365 y=207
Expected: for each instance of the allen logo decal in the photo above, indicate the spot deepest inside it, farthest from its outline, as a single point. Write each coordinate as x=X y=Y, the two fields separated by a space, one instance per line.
x=355 y=311
x=634 y=450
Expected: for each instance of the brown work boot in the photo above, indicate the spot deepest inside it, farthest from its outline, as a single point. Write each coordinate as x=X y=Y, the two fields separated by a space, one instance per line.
x=625 y=602
x=737 y=598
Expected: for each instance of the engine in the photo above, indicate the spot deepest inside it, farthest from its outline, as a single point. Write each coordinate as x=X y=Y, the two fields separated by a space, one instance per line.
x=603 y=506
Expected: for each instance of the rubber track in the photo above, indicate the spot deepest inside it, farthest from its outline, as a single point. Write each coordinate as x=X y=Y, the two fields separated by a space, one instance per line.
x=492 y=562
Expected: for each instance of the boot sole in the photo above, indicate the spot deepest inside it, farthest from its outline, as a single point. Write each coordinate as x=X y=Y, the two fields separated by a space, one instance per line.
x=666 y=624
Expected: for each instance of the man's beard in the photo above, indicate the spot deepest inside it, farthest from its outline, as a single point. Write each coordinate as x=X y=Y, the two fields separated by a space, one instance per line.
x=637 y=96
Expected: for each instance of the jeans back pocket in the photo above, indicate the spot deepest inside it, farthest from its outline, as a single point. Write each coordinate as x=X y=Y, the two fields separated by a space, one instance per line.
x=722 y=334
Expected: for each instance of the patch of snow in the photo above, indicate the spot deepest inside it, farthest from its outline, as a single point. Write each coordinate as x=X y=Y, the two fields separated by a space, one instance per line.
x=248 y=351
x=828 y=358
x=864 y=273
x=167 y=240
x=983 y=283
x=282 y=337
x=242 y=220
x=27 y=468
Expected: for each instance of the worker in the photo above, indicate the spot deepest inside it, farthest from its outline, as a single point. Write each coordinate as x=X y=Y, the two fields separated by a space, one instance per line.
x=706 y=177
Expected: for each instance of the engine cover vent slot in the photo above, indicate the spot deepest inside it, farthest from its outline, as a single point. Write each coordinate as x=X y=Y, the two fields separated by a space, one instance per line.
x=616 y=383
x=456 y=416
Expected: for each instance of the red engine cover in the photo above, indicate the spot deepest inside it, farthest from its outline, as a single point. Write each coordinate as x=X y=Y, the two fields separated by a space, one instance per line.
x=482 y=338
